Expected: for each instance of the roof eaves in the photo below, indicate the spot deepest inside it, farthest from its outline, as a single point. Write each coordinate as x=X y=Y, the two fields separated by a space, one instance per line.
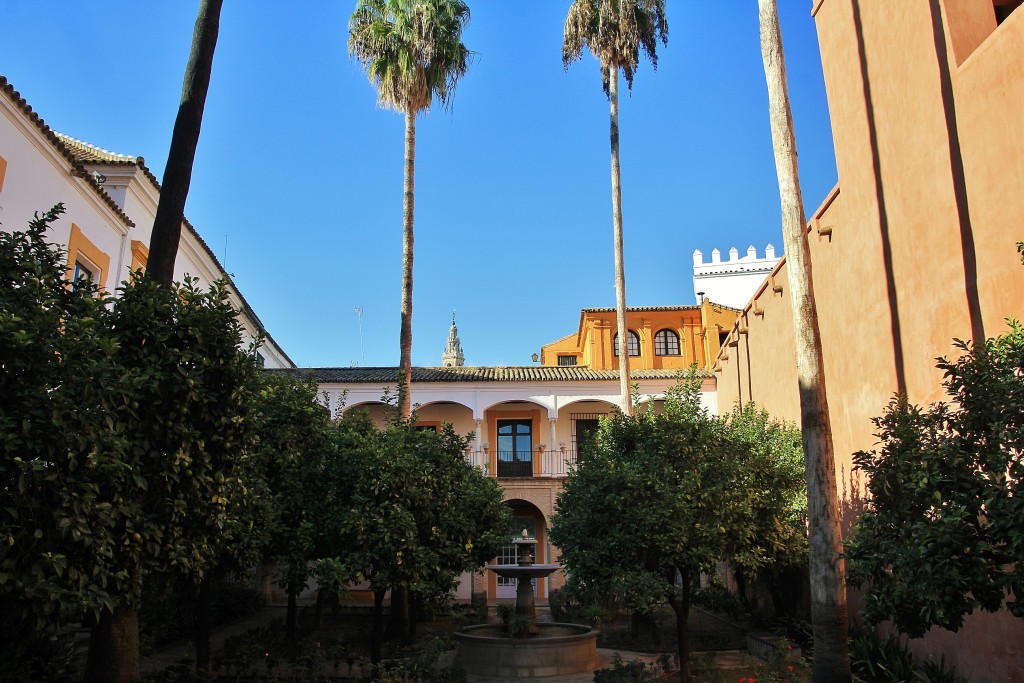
x=87 y=153
x=78 y=170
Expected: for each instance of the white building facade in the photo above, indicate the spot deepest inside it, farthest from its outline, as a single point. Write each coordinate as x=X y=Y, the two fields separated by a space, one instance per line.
x=732 y=282
x=110 y=203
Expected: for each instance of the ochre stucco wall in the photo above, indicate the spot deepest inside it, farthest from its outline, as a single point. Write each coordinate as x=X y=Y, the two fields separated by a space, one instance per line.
x=900 y=146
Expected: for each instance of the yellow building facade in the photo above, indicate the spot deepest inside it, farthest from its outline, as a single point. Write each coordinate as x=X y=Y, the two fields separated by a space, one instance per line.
x=660 y=338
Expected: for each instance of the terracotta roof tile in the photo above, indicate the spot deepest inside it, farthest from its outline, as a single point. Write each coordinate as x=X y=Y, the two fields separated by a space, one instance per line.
x=58 y=143
x=544 y=373
x=641 y=309
x=86 y=153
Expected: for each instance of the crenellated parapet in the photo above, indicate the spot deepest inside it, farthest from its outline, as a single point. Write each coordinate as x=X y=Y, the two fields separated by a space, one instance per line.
x=733 y=281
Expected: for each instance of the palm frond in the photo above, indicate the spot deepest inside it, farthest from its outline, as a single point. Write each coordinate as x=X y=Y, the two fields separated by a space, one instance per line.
x=615 y=32
x=411 y=50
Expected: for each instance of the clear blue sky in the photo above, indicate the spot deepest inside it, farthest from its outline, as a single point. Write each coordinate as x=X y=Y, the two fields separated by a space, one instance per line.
x=300 y=172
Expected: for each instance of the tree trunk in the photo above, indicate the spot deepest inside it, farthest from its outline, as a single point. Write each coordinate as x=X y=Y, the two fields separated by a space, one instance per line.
x=291 y=619
x=204 y=602
x=318 y=615
x=828 y=580
x=416 y=612
x=163 y=242
x=377 y=631
x=114 y=648
x=405 y=337
x=398 y=622
x=625 y=397
x=681 y=606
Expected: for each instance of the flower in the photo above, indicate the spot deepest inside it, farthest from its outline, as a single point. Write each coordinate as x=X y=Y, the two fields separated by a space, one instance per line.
x=789 y=667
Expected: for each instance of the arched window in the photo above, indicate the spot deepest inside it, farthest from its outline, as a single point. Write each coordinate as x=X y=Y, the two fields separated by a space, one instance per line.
x=634 y=344
x=666 y=343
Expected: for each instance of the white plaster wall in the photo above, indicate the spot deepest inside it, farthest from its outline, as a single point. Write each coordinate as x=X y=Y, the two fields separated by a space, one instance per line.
x=37 y=178
x=733 y=281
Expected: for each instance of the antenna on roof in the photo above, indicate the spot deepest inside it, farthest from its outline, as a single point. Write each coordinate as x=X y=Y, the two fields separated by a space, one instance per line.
x=359 y=315
x=225 y=259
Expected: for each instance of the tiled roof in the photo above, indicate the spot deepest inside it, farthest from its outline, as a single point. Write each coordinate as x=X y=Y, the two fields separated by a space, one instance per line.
x=85 y=153
x=641 y=309
x=58 y=143
x=565 y=338
x=542 y=373
x=91 y=154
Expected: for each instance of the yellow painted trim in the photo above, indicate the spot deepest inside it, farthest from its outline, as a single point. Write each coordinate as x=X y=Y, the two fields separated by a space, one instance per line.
x=3 y=172
x=79 y=244
x=140 y=255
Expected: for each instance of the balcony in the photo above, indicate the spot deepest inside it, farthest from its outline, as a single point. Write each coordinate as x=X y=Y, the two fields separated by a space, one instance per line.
x=541 y=464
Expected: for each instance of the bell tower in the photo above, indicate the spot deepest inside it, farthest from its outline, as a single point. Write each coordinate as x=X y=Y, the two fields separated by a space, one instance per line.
x=452 y=356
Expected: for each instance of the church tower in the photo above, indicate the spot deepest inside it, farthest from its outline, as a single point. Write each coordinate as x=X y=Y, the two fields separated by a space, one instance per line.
x=452 y=356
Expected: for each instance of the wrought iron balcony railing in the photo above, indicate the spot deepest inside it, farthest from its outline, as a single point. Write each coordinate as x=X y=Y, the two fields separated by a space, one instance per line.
x=538 y=464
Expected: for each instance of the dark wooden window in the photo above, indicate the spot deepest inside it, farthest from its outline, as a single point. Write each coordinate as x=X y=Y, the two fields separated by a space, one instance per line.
x=634 y=344
x=515 y=448
x=566 y=360
x=666 y=343
x=584 y=432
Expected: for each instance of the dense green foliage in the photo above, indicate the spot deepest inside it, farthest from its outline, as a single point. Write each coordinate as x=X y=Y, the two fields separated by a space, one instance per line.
x=943 y=530
x=665 y=495
x=417 y=513
x=125 y=427
x=292 y=429
x=140 y=444
x=57 y=450
x=778 y=494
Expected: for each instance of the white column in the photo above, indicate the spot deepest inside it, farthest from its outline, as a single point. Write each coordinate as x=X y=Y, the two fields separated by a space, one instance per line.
x=553 y=448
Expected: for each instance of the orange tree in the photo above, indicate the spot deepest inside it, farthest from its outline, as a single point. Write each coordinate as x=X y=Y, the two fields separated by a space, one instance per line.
x=702 y=503
x=417 y=514
x=124 y=427
x=189 y=427
x=943 y=531
x=293 y=429
x=57 y=530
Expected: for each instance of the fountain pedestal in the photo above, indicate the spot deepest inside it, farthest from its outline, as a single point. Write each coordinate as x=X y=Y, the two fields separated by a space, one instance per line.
x=547 y=650
x=524 y=573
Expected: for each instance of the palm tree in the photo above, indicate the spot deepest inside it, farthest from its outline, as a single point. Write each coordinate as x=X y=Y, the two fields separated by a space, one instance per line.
x=828 y=581
x=114 y=643
x=412 y=52
x=163 y=241
x=615 y=31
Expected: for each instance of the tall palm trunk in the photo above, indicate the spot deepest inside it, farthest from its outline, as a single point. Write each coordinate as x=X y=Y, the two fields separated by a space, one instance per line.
x=405 y=337
x=827 y=572
x=625 y=399
x=163 y=242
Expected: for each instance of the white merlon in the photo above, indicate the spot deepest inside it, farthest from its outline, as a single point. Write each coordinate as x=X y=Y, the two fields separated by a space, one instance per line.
x=732 y=282
x=734 y=255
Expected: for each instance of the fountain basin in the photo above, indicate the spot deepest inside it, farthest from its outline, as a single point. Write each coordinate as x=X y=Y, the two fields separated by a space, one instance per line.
x=556 y=650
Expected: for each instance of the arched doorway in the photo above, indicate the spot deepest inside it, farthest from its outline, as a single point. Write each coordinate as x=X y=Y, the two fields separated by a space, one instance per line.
x=526 y=516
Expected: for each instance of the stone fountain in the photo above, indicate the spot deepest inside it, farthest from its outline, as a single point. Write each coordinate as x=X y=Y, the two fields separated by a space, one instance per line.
x=549 y=649
x=524 y=572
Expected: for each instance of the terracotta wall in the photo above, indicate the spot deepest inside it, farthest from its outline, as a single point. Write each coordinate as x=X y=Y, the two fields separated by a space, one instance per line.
x=928 y=125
